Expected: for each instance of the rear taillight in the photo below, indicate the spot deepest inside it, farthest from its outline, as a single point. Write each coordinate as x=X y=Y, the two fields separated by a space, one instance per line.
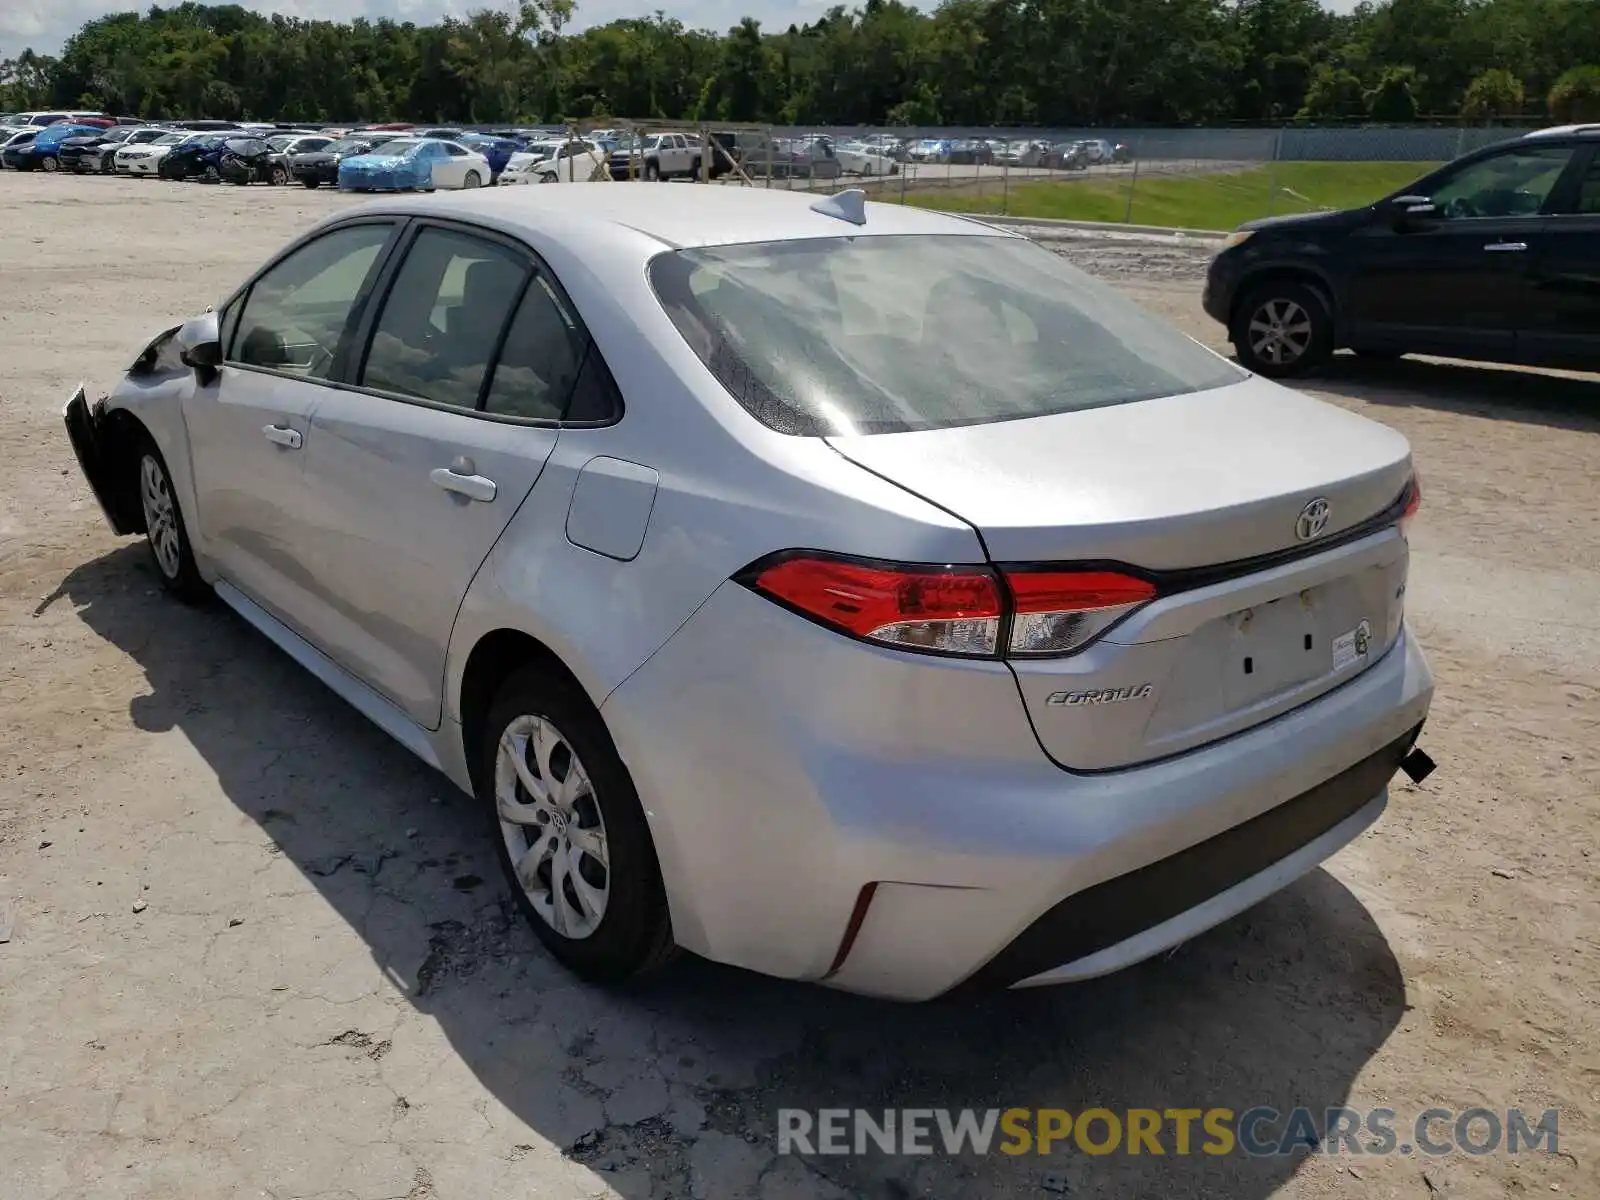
x=961 y=610
x=945 y=610
x=1413 y=502
x=1057 y=612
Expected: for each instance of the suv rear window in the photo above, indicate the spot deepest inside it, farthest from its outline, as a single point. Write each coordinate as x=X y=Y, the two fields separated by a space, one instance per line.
x=860 y=335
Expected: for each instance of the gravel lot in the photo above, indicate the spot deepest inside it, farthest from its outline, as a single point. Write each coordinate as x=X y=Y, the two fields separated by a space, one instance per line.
x=256 y=950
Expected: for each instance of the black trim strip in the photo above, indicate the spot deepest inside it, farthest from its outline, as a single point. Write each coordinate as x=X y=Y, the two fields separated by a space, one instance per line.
x=1126 y=905
x=1188 y=579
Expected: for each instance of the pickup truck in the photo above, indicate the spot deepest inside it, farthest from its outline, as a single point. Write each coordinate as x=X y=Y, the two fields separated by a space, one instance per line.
x=664 y=156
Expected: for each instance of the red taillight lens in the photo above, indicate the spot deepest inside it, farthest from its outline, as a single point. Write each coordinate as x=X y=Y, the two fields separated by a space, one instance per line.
x=953 y=609
x=1058 y=612
x=947 y=610
x=1413 y=502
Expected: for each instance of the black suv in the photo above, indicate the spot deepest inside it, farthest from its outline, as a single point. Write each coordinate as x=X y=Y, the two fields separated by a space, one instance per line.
x=1494 y=257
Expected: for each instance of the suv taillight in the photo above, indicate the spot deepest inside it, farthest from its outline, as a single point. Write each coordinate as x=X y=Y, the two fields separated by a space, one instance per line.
x=970 y=611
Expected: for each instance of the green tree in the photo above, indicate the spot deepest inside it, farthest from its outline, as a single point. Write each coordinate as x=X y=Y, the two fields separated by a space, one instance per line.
x=1576 y=96
x=1334 y=93
x=1394 y=99
x=1495 y=93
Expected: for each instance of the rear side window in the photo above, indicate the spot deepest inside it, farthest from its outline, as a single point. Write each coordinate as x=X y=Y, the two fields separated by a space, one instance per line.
x=888 y=334
x=1589 y=188
x=539 y=364
x=296 y=313
x=443 y=318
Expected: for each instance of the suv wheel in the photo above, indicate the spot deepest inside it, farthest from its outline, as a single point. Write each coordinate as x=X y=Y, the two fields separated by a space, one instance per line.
x=569 y=830
x=1282 y=329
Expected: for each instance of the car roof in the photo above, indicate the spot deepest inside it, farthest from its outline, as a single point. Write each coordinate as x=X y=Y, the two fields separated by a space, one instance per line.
x=680 y=215
x=1586 y=130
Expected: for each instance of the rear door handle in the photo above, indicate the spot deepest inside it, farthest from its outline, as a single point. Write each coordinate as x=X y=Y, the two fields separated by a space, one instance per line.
x=462 y=480
x=282 y=435
x=1507 y=247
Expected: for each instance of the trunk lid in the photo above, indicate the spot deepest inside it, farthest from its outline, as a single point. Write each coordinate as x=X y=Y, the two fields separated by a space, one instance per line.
x=1205 y=492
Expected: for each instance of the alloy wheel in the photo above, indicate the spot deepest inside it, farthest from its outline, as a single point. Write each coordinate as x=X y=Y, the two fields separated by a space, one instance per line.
x=160 y=516
x=554 y=833
x=1280 y=332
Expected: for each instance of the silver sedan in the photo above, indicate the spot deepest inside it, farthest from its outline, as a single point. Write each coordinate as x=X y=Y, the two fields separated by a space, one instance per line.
x=849 y=592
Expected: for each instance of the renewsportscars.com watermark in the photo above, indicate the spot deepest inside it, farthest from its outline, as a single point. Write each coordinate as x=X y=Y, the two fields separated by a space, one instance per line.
x=1259 y=1132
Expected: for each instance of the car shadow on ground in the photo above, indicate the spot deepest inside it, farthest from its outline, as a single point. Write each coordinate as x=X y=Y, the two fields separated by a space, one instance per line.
x=1281 y=1007
x=1501 y=393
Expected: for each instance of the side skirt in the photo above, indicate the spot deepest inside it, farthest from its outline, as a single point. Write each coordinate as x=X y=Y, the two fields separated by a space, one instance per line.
x=352 y=691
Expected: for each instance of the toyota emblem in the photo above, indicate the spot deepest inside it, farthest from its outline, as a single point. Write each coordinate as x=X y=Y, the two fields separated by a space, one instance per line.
x=1313 y=519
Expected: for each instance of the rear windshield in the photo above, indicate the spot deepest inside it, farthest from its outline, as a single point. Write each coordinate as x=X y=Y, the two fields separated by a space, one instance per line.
x=889 y=334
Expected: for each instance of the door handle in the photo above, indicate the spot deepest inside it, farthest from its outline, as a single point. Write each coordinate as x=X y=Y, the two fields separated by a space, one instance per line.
x=463 y=481
x=1507 y=247
x=282 y=435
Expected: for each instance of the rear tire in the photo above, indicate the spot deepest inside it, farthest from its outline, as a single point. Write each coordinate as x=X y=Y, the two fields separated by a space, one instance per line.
x=48 y=164
x=1281 y=330
x=581 y=816
x=165 y=532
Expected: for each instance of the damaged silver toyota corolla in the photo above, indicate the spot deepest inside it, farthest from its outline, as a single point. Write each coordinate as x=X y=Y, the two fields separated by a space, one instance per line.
x=848 y=592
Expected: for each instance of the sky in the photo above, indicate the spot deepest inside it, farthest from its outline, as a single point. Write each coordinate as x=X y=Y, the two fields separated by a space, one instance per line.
x=46 y=24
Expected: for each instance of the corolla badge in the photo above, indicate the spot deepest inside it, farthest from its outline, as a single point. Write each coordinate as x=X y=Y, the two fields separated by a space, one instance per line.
x=1313 y=519
x=1141 y=691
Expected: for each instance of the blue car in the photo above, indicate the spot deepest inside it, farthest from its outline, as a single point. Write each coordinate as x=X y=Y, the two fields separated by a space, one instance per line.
x=403 y=165
x=44 y=152
x=498 y=150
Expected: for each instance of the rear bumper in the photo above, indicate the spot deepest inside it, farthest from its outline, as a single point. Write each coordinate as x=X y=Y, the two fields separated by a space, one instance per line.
x=328 y=174
x=886 y=823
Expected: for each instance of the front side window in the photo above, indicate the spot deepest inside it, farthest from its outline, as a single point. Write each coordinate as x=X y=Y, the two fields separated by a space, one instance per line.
x=295 y=314
x=887 y=334
x=442 y=319
x=1515 y=183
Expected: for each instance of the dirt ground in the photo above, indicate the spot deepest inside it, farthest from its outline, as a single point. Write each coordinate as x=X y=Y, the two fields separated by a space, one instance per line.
x=256 y=951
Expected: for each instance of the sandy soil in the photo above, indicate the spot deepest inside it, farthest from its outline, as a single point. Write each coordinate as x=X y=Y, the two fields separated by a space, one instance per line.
x=256 y=951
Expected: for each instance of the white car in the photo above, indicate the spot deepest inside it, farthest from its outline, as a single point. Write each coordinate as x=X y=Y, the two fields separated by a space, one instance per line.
x=580 y=162
x=144 y=159
x=527 y=166
x=982 y=630
x=858 y=158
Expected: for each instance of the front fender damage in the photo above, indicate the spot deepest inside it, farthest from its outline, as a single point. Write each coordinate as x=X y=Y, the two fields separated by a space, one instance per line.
x=100 y=445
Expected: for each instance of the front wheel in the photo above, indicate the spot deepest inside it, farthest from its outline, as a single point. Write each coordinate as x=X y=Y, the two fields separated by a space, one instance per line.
x=652 y=172
x=1282 y=330
x=278 y=177
x=472 y=180
x=312 y=183
x=569 y=830
x=165 y=532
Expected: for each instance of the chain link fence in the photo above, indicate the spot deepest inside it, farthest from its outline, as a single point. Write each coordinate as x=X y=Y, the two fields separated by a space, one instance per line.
x=1190 y=178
